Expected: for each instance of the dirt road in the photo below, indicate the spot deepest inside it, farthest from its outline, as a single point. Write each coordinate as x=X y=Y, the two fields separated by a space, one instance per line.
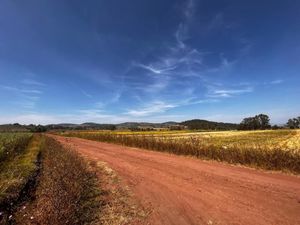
x=183 y=190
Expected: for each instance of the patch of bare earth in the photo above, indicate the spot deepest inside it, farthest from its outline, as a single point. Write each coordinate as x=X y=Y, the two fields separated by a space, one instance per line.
x=118 y=204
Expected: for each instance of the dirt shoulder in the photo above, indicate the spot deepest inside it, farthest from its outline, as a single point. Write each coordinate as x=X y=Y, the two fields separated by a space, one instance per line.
x=182 y=190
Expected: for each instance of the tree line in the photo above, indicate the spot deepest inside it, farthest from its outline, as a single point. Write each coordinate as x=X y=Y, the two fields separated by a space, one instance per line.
x=257 y=122
x=197 y=124
x=262 y=122
x=293 y=123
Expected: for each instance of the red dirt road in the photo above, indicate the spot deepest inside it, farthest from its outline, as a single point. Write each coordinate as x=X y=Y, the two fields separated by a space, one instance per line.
x=183 y=190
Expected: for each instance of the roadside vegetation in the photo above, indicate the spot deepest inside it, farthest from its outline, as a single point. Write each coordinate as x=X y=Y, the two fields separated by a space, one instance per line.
x=18 y=168
x=12 y=144
x=67 y=191
x=268 y=149
x=43 y=183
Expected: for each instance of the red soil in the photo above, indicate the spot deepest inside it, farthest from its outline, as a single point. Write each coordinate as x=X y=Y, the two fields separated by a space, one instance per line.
x=183 y=190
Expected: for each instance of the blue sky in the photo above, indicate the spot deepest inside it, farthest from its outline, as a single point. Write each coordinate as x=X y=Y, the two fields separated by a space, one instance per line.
x=137 y=60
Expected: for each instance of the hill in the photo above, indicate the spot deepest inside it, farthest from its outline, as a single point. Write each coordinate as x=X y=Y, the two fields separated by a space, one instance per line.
x=198 y=124
x=13 y=128
x=195 y=124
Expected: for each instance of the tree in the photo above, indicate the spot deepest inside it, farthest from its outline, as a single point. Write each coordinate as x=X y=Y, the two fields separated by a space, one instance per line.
x=275 y=127
x=36 y=128
x=263 y=121
x=258 y=122
x=293 y=123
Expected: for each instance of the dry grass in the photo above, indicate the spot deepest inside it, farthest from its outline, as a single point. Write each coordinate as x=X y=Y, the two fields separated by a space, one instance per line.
x=12 y=144
x=275 y=150
x=118 y=204
x=16 y=172
x=67 y=192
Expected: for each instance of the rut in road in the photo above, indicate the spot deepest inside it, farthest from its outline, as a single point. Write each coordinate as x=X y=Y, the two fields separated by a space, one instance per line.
x=183 y=190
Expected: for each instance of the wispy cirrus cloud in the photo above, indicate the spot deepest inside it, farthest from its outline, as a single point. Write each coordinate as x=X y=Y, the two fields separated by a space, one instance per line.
x=86 y=94
x=115 y=98
x=225 y=93
x=182 y=31
x=20 y=90
x=153 y=108
x=32 y=82
x=27 y=95
x=179 y=63
x=278 y=81
x=159 y=69
x=158 y=106
x=225 y=65
x=177 y=53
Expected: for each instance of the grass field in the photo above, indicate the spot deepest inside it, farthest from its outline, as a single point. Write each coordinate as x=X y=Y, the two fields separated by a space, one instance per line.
x=268 y=149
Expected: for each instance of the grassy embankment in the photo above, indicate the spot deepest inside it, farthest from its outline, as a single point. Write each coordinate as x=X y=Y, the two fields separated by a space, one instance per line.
x=43 y=183
x=67 y=191
x=18 y=158
x=271 y=149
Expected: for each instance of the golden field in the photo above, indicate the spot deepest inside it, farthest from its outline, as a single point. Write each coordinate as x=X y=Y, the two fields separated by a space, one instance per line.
x=269 y=149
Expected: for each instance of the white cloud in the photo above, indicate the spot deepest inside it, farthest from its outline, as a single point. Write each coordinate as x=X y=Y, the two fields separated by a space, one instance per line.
x=32 y=82
x=189 y=9
x=279 y=81
x=80 y=116
x=225 y=93
x=113 y=99
x=20 y=90
x=86 y=94
x=116 y=97
x=158 y=107
x=233 y=91
x=31 y=118
x=27 y=97
x=181 y=35
x=157 y=69
x=153 y=108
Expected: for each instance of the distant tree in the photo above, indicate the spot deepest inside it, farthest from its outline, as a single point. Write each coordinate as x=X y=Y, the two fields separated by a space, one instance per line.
x=293 y=123
x=275 y=127
x=36 y=128
x=113 y=127
x=297 y=121
x=258 y=122
x=290 y=124
x=263 y=121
